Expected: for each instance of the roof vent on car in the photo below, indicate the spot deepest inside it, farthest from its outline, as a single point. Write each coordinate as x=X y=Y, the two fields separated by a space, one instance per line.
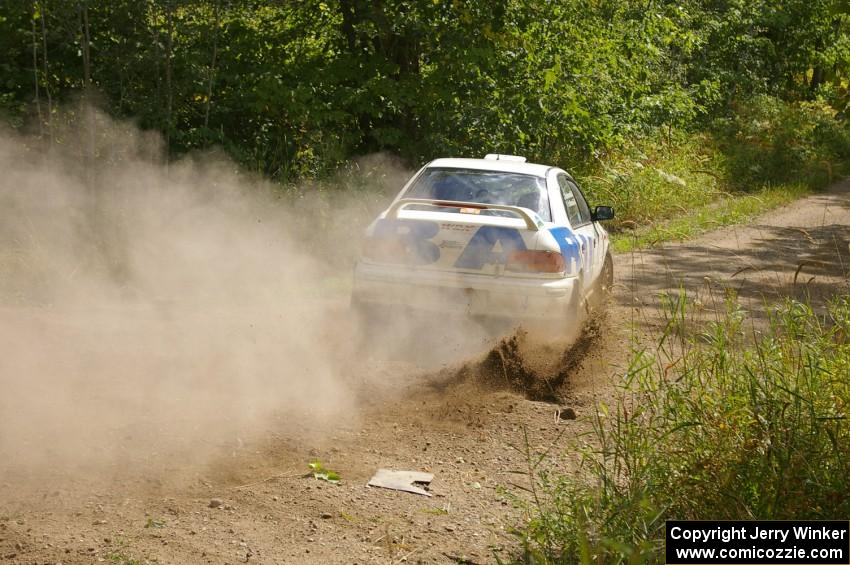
x=498 y=157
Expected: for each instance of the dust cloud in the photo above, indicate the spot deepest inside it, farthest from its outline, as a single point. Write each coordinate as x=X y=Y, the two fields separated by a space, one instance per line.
x=154 y=315
x=152 y=310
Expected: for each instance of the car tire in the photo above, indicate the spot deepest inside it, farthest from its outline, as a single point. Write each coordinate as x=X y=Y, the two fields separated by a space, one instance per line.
x=602 y=287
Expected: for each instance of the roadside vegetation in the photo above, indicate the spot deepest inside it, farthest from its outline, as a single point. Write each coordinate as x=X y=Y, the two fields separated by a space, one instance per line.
x=675 y=186
x=732 y=419
x=694 y=110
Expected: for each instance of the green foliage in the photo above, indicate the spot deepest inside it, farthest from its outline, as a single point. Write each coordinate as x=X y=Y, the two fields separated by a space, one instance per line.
x=293 y=90
x=322 y=473
x=660 y=109
x=651 y=180
x=788 y=49
x=726 y=422
x=771 y=141
x=675 y=184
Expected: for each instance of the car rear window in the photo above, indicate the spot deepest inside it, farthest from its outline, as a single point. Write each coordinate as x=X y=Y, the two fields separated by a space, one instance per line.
x=483 y=187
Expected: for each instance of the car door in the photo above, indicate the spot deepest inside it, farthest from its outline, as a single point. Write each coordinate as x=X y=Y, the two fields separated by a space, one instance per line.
x=579 y=217
x=600 y=238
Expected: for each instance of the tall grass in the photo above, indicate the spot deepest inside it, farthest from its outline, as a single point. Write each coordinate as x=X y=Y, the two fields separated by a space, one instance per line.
x=722 y=421
x=656 y=178
x=676 y=184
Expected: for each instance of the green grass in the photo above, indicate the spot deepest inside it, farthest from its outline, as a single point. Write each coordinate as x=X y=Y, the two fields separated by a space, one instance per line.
x=725 y=419
x=120 y=554
x=123 y=559
x=655 y=179
x=319 y=471
x=675 y=185
x=730 y=209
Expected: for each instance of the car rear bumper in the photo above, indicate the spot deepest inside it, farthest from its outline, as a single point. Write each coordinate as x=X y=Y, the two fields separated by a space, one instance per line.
x=460 y=293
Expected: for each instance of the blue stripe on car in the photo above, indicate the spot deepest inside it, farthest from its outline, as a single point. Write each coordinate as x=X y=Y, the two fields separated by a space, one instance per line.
x=569 y=242
x=479 y=250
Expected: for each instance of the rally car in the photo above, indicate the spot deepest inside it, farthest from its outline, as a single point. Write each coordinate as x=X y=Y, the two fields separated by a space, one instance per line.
x=493 y=237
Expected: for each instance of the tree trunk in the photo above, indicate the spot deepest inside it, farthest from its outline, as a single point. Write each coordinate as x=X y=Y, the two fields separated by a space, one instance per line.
x=86 y=42
x=348 y=18
x=35 y=72
x=85 y=34
x=169 y=45
x=46 y=73
x=817 y=79
x=152 y=15
x=212 y=65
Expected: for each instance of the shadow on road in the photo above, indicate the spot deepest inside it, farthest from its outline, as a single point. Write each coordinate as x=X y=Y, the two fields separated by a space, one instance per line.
x=801 y=251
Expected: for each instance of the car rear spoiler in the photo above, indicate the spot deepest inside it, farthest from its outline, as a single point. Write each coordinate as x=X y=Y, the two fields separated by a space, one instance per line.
x=532 y=222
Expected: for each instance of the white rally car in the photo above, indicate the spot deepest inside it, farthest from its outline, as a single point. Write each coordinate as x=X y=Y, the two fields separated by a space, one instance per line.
x=492 y=237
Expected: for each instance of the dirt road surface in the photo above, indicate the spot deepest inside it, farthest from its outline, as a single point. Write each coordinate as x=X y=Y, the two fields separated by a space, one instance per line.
x=465 y=423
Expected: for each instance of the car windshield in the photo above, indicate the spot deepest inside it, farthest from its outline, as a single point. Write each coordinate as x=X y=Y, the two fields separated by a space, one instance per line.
x=483 y=187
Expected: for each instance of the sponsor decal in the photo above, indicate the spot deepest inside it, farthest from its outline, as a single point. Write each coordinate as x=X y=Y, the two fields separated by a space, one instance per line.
x=490 y=245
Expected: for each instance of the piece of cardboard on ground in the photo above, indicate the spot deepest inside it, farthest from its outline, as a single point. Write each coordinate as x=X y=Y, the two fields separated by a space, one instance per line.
x=406 y=481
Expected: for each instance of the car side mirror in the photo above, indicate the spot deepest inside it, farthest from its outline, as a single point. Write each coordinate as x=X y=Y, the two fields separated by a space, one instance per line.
x=602 y=213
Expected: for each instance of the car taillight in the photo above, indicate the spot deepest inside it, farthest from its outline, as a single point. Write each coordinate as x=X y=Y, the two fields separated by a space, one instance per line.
x=535 y=262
